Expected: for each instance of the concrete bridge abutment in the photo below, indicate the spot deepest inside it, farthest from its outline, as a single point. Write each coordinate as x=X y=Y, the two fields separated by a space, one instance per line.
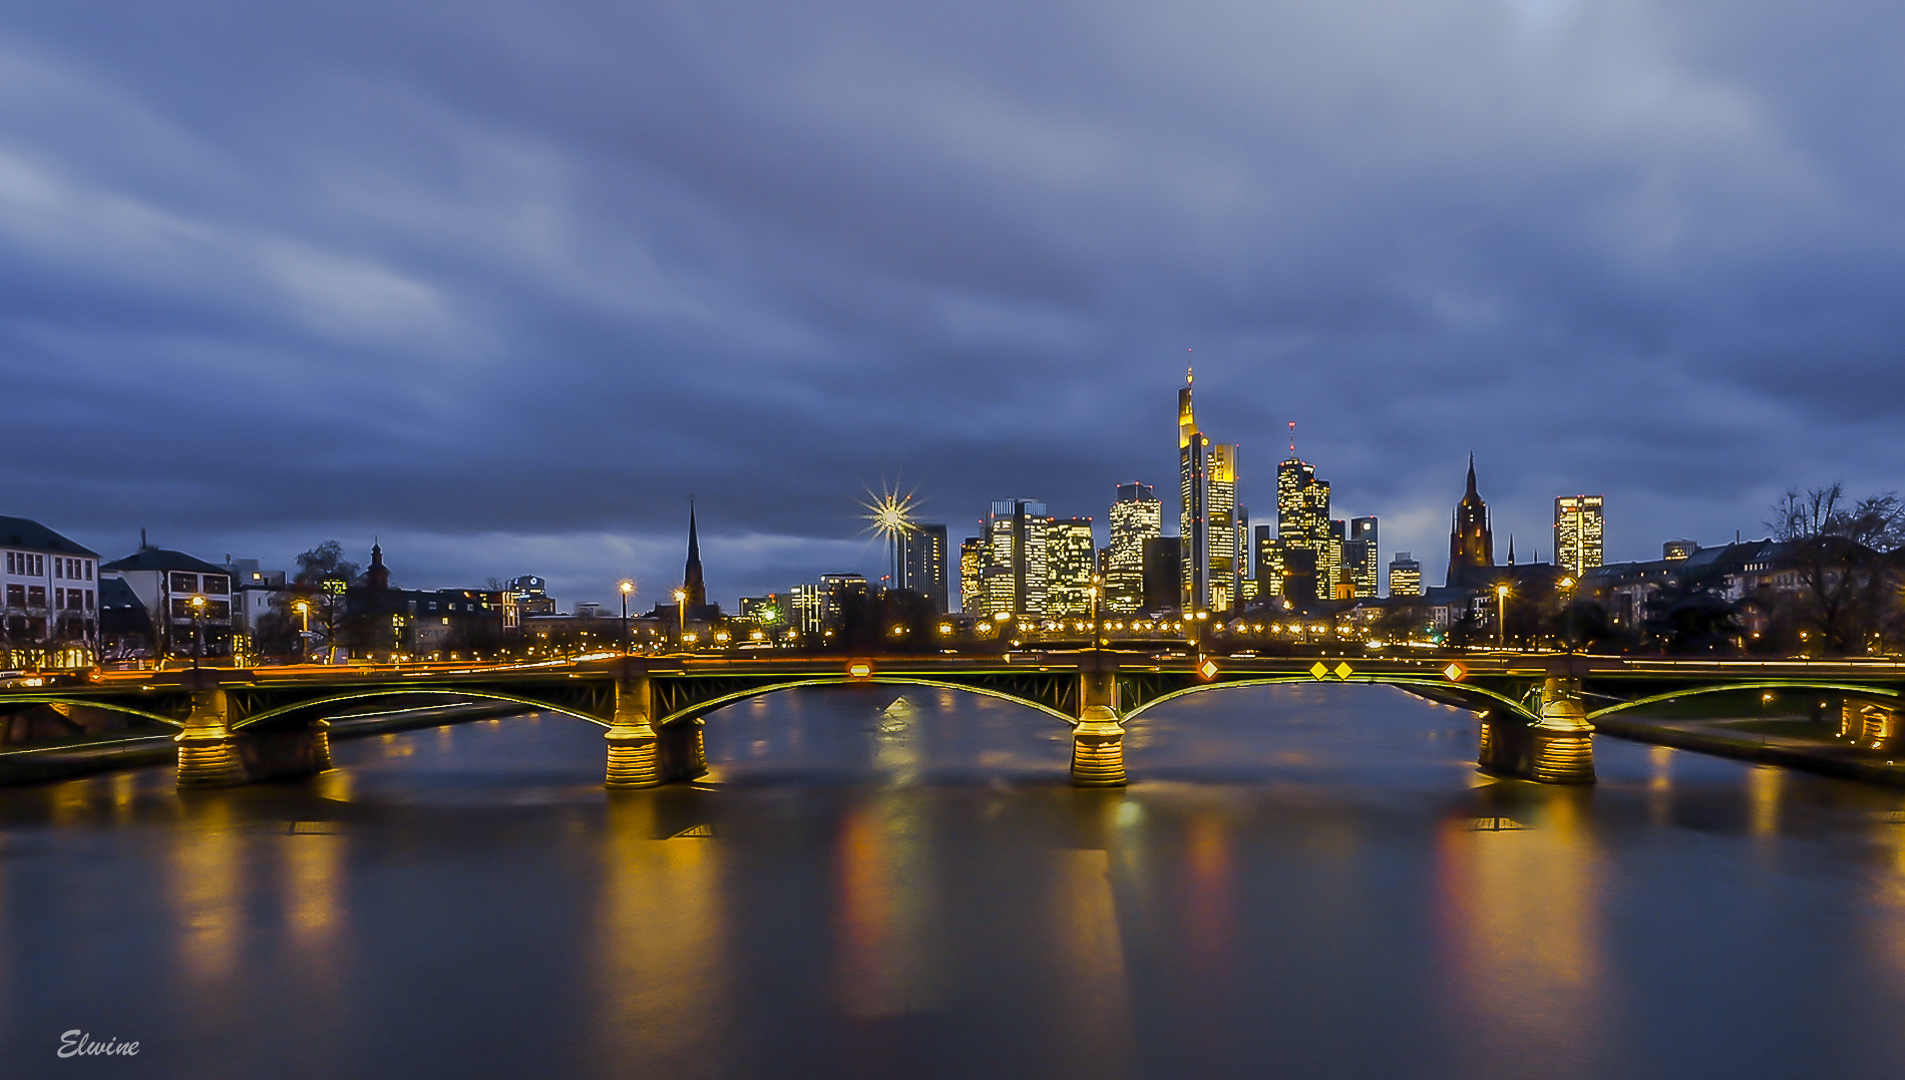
x=1874 y=725
x=1098 y=737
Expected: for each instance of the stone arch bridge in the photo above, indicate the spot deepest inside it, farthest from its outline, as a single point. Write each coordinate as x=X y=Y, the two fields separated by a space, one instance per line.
x=1537 y=711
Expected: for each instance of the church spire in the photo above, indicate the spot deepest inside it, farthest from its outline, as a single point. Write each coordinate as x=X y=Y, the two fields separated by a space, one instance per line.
x=691 y=581
x=1471 y=477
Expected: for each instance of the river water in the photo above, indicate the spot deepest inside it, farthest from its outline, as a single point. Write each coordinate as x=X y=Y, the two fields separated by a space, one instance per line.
x=898 y=882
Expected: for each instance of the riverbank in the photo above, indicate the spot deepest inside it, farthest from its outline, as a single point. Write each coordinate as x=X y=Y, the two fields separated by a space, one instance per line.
x=1790 y=743
x=41 y=765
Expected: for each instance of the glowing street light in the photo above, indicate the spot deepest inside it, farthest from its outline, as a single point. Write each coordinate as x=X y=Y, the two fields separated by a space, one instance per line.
x=890 y=515
x=627 y=589
x=681 y=609
x=1501 y=615
x=198 y=629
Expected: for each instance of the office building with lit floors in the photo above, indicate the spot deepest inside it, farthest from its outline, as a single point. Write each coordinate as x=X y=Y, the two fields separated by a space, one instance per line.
x=1207 y=514
x=1136 y=516
x=1308 y=552
x=1072 y=566
x=1015 y=572
x=923 y=564
x=1405 y=575
x=1577 y=533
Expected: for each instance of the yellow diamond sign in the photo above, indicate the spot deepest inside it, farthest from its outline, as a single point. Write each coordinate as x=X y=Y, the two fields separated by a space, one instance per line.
x=1343 y=670
x=1319 y=670
x=1454 y=671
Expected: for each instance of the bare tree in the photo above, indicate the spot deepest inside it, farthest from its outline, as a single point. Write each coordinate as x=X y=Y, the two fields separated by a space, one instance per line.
x=1848 y=589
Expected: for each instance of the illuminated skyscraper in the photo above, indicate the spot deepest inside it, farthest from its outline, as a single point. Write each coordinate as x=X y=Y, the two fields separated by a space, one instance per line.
x=1405 y=575
x=1361 y=558
x=1471 y=539
x=1577 y=533
x=1269 y=563
x=1016 y=568
x=1207 y=514
x=1071 y=558
x=972 y=566
x=1303 y=524
x=1137 y=516
x=923 y=563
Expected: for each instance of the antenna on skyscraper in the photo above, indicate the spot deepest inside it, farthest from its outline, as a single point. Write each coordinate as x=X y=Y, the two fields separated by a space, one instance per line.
x=1189 y=368
x=1293 y=438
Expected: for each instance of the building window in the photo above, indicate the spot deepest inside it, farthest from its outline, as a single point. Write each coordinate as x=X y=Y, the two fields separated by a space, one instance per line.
x=89 y=569
x=89 y=599
x=59 y=595
x=185 y=583
x=217 y=585
x=16 y=596
x=36 y=596
x=59 y=566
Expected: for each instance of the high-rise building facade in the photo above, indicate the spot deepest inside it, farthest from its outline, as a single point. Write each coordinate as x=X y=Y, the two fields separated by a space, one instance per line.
x=1071 y=557
x=1362 y=559
x=1016 y=569
x=1137 y=516
x=1405 y=575
x=1577 y=533
x=923 y=563
x=1303 y=524
x=1471 y=538
x=1207 y=515
x=1268 y=568
x=972 y=567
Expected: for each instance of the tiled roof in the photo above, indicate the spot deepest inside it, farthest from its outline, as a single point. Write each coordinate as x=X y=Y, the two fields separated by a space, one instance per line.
x=151 y=558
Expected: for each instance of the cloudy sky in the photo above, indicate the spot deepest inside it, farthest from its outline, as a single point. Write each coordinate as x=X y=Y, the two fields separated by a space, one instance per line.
x=505 y=284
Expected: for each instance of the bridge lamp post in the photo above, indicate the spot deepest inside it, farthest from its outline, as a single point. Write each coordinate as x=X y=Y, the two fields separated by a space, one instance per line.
x=627 y=589
x=1501 y=615
x=198 y=630
x=1567 y=598
x=681 y=610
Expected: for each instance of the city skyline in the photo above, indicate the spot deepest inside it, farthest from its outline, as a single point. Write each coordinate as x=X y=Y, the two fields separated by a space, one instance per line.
x=282 y=277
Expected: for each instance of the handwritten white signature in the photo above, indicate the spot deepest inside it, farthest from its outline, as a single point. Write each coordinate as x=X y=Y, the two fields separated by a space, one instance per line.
x=77 y=1043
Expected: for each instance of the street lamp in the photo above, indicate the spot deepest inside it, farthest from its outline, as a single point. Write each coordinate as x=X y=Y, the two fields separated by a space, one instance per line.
x=198 y=630
x=681 y=610
x=628 y=589
x=1567 y=598
x=1501 y=615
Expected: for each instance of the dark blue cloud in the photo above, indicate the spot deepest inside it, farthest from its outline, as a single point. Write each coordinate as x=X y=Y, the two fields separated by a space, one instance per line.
x=505 y=285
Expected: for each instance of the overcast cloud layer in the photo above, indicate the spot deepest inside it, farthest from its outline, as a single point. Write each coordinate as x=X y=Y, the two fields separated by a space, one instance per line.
x=505 y=284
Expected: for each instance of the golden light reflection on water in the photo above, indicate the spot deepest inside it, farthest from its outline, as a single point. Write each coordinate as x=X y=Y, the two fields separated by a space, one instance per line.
x=883 y=909
x=1521 y=925
x=1765 y=784
x=1660 y=761
x=661 y=944
x=313 y=881
x=207 y=890
x=1212 y=897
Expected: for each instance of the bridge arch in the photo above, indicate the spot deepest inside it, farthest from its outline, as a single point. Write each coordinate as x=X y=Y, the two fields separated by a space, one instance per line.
x=91 y=703
x=702 y=708
x=1457 y=689
x=410 y=691
x=1774 y=684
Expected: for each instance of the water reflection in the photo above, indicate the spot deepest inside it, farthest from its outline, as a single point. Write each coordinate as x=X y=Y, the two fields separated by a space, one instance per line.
x=658 y=944
x=207 y=890
x=1519 y=907
x=884 y=911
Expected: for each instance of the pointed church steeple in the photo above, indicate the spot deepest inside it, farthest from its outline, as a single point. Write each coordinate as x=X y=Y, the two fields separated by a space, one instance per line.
x=691 y=582
x=1471 y=477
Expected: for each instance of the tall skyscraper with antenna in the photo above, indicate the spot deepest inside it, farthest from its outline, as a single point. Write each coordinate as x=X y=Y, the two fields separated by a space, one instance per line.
x=1207 y=513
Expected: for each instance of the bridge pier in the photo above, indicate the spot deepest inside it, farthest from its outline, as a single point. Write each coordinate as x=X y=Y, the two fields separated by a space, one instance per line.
x=211 y=754
x=1558 y=748
x=208 y=752
x=634 y=748
x=1098 y=737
